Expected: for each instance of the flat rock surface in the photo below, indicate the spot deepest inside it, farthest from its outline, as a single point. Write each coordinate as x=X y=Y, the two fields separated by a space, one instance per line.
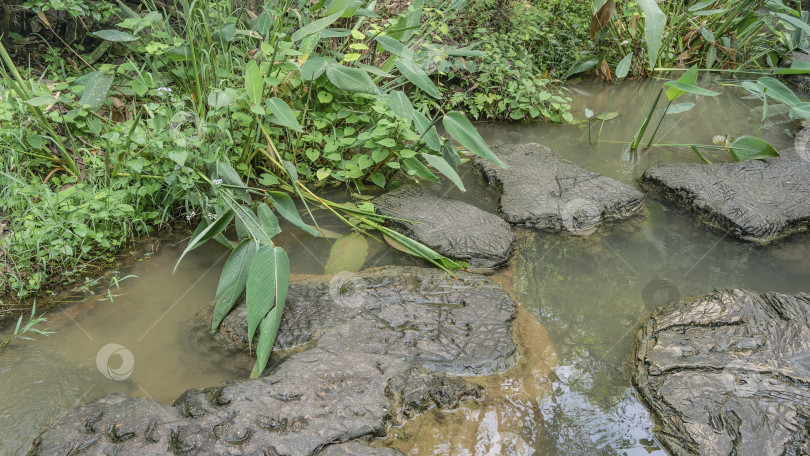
x=728 y=374
x=372 y=349
x=453 y=228
x=541 y=190
x=758 y=200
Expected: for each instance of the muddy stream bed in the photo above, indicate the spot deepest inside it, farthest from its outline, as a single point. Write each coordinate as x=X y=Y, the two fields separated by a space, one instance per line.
x=582 y=301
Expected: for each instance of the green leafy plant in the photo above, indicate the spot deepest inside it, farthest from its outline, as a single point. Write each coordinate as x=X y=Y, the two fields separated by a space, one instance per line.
x=30 y=327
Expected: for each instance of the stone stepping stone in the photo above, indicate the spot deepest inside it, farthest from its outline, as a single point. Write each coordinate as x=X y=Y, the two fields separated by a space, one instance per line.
x=543 y=191
x=757 y=201
x=371 y=349
x=455 y=229
x=728 y=374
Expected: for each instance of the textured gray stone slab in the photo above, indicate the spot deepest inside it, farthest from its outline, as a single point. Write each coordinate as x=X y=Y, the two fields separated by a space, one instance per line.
x=758 y=200
x=368 y=355
x=453 y=228
x=728 y=374
x=541 y=190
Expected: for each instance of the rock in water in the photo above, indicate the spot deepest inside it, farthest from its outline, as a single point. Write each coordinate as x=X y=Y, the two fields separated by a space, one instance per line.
x=757 y=200
x=729 y=374
x=452 y=228
x=370 y=357
x=546 y=192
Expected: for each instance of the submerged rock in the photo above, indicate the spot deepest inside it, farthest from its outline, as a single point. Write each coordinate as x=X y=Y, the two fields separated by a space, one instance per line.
x=366 y=358
x=546 y=192
x=729 y=374
x=452 y=228
x=757 y=200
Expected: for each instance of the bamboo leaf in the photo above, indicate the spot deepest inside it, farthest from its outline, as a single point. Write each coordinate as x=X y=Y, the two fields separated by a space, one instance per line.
x=686 y=88
x=460 y=128
x=233 y=280
x=394 y=46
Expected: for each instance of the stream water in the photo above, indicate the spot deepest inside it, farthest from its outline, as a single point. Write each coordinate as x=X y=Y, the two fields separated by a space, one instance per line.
x=582 y=302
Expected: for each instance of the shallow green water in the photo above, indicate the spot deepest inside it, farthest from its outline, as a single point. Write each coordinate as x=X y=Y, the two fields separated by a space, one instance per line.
x=585 y=298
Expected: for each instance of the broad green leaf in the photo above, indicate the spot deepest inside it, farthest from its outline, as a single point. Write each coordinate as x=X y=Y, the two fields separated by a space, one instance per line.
x=207 y=233
x=284 y=114
x=430 y=136
x=267 y=284
x=419 y=169
x=608 y=115
x=291 y=171
x=796 y=22
x=286 y=208
x=218 y=99
x=96 y=87
x=232 y=280
x=800 y=111
x=254 y=83
x=680 y=107
x=464 y=52
x=394 y=46
x=400 y=104
x=451 y=155
x=249 y=222
x=751 y=148
x=42 y=100
x=655 y=21
x=313 y=67
x=689 y=77
x=796 y=67
x=316 y=26
x=586 y=64
x=707 y=35
x=348 y=253
x=116 y=36
x=445 y=168
x=686 y=88
x=624 y=66
x=460 y=128
x=773 y=88
x=374 y=70
x=347 y=7
x=268 y=331
x=268 y=219
x=351 y=79
x=417 y=76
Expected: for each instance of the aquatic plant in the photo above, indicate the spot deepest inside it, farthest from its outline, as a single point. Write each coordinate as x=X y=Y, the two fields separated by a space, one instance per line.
x=30 y=327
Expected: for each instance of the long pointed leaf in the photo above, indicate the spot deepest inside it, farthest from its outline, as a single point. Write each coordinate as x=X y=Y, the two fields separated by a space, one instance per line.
x=285 y=206
x=267 y=283
x=428 y=132
x=315 y=26
x=751 y=148
x=417 y=76
x=653 y=28
x=284 y=114
x=210 y=231
x=460 y=128
x=233 y=280
x=445 y=168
